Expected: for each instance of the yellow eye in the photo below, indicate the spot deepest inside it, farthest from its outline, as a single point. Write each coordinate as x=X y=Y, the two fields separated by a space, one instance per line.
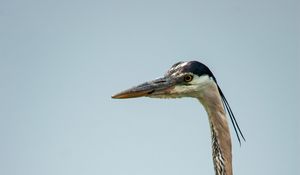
x=188 y=78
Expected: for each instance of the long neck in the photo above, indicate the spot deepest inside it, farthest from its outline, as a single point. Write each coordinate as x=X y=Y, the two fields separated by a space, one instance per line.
x=221 y=140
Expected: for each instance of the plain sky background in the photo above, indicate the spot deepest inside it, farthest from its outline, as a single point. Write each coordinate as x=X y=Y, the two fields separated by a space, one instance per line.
x=61 y=60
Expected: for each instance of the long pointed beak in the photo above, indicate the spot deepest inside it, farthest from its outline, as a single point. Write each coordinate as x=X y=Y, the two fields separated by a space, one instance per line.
x=158 y=86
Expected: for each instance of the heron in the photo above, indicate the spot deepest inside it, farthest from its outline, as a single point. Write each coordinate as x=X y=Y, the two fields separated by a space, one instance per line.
x=194 y=79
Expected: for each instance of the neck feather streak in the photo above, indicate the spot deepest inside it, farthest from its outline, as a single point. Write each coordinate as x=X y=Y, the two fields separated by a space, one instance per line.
x=221 y=140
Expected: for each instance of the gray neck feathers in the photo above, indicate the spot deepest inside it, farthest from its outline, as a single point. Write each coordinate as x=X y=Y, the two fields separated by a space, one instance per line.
x=221 y=140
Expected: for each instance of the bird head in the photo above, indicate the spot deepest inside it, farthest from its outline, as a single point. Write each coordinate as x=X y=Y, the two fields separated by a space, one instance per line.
x=183 y=79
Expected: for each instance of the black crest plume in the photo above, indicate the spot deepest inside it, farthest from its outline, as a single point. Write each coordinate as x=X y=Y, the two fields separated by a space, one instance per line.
x=232 y=118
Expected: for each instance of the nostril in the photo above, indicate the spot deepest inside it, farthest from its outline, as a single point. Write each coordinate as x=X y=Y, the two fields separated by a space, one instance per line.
x=160 y=81
x=150 y=92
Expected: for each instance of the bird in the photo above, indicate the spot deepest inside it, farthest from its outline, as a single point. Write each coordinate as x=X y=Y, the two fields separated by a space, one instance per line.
x=194 y=79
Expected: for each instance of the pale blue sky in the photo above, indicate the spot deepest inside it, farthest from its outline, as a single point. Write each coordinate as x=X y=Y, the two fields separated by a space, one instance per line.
x=60 y=61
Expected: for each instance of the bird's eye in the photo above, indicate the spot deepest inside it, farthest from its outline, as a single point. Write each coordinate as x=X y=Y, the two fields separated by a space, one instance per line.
x=188 y=78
